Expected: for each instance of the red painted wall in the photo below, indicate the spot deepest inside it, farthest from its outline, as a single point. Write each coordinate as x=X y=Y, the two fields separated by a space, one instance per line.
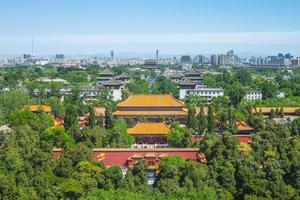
x=120 y=157
x=244 y=138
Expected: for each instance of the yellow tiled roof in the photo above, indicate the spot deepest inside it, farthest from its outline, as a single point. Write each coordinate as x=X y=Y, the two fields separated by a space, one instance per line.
x=151 y=100
x=286 y=110
x=35 y=108
x=150 y=113
x=148 y=128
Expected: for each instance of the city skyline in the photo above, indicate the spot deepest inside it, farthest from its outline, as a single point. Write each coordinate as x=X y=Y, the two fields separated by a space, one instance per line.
x=173 y=27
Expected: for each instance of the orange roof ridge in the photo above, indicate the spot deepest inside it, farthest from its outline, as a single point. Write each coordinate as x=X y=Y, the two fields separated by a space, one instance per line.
x=182 y=112
x=182 y=102
x=151 y=100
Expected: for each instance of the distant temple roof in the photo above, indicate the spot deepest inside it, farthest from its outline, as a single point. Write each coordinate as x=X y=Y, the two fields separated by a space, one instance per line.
x=35 y=108
x=151 y=100
x=124 y=75
x=148 y=128
x=176 y=75
x=106 y=71
x=195 y=77
x=187 y=81
x=194 y=72
x=112 y=82
x=150 y=64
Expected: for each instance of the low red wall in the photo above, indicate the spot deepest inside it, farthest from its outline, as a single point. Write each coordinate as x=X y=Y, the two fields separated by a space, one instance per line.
x=244 y=138
x=120 y=156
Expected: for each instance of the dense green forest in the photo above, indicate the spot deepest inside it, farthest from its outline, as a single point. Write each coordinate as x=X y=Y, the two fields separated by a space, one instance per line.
x=266 y=168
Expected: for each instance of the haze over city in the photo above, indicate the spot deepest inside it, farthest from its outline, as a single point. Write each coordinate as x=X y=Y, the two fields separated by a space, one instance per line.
x=96 y=27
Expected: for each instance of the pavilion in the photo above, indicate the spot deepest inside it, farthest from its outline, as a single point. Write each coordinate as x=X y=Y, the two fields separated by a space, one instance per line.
x=149 y=134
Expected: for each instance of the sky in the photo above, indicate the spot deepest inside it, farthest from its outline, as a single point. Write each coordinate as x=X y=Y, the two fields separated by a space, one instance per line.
x=142 y=26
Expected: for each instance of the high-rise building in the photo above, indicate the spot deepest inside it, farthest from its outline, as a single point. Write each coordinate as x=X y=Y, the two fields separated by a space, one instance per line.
x=185 y=59
x=280 y=55
x=223 y=59
x=214 y=60
x=199 y=60
x=295 y=61
x=156 y=54
x=230 y=53
x=279 y=60
x=32 y=55
x=111 y=54
x=59 y=56
x=288 y=56
x=186 y=62
x=26 y=56
x=231 y=56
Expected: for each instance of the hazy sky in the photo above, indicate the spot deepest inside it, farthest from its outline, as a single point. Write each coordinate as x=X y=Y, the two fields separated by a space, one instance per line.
x=172 y=26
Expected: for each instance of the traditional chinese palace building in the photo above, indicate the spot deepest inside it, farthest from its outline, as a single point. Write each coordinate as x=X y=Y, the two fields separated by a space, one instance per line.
x=152 y=107
x=195 y=76
x=114 y=87
x=105 y=76
x=244 y=131
x=149 y=135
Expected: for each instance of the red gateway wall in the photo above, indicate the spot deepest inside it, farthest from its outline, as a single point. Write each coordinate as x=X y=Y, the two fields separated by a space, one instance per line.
x=121 y=156
x=244 y=138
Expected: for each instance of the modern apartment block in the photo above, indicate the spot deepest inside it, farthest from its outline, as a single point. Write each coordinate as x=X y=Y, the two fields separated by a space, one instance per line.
x=207 y=93
x=187 y=87
x=253 y=95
